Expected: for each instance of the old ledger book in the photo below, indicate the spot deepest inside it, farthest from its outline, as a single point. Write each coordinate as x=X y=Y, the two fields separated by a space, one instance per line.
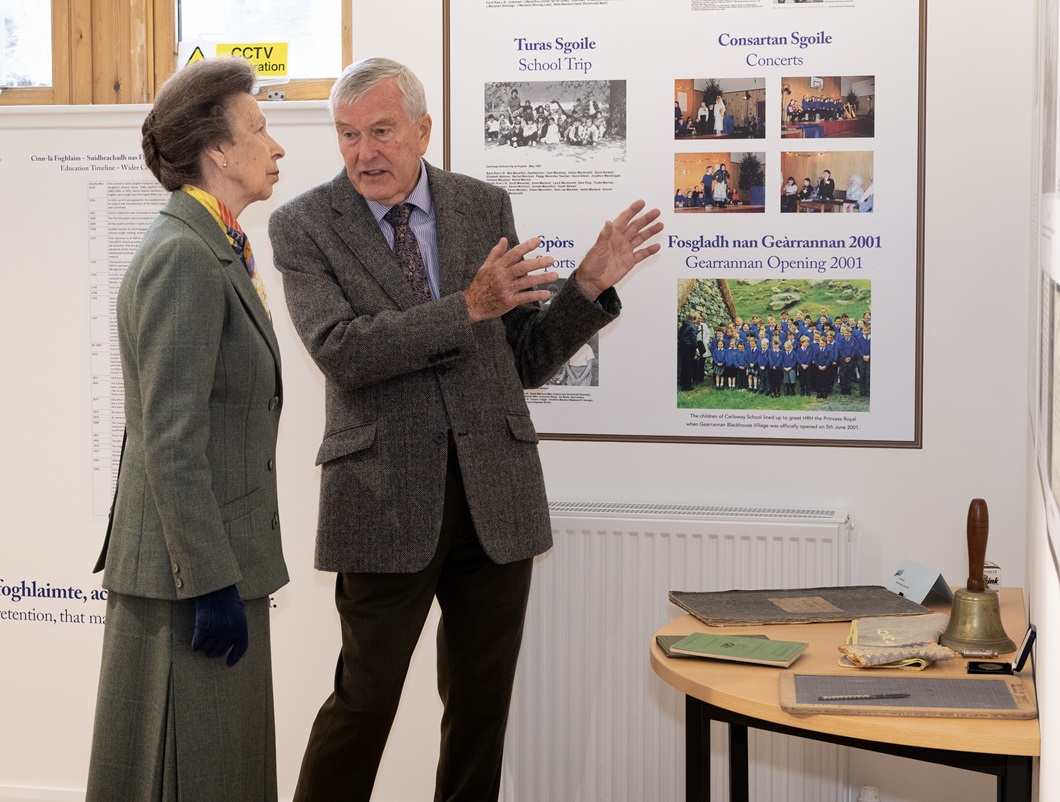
x=779 y=653
x=735 y=608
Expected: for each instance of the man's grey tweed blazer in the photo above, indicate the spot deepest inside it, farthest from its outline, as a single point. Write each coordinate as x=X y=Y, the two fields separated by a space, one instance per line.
x=398 y=375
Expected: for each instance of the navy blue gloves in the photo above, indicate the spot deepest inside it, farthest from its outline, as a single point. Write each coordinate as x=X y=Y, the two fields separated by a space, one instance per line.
x=221 y=625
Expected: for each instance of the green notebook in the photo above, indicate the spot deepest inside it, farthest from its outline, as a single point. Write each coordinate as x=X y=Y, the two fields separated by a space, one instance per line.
x=666 y=641
x=739 y=648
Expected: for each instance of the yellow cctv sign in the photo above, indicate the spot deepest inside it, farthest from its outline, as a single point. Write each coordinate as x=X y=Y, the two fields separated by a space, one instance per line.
x=269 y=58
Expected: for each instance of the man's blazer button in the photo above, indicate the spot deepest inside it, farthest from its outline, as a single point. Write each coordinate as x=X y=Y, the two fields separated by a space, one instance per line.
x=176 y=568
x=274 y=401
x=270 y=464
x=275 y=519
x=440 y=437
x=443 y=369
x=178 y=582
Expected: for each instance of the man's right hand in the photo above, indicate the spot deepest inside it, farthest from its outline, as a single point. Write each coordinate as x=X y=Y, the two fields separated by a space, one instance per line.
x=504 y=281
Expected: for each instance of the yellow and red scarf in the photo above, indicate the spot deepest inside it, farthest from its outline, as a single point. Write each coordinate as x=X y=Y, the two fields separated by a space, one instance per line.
x=236 y=236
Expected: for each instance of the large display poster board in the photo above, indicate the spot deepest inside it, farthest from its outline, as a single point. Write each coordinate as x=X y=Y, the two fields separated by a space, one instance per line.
x=568 y=106
x=1045 y=299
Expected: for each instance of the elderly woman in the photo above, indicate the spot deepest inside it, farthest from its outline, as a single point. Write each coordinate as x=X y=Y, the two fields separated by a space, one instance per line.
x=854 y=194
x=184 y=709
x=867 y=199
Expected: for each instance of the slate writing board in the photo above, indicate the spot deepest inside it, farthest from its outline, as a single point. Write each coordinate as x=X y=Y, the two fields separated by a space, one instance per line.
x=934 y=697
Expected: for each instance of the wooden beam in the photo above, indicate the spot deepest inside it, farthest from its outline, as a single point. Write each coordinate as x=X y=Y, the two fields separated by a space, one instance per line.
x=119 y=46
x=162 y=54
x=61 y=56
x=347 y=34
x=79 y=47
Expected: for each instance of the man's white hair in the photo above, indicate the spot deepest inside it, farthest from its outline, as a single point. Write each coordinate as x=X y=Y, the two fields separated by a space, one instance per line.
x=363 y=76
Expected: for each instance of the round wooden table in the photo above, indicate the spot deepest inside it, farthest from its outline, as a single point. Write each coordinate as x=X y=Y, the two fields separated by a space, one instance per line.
x=746 y=696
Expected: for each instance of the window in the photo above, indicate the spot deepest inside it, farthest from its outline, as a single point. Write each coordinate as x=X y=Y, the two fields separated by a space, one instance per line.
x=26 y=55
x=314 y=50
x=120 y=51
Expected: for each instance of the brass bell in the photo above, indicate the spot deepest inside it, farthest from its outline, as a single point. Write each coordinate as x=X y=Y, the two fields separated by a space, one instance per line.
x=975 y=618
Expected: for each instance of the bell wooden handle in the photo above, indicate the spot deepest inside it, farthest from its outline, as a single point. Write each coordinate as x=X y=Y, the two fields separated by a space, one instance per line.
x=978 y=528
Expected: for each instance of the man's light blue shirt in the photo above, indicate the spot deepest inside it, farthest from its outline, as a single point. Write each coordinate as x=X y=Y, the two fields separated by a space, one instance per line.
x=422 y=223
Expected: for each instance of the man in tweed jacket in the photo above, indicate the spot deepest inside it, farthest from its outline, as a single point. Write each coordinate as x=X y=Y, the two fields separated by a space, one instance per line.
x=431 y=484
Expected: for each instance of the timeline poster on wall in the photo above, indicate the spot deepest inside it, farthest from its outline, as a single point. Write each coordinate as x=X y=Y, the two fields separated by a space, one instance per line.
x=785 y=303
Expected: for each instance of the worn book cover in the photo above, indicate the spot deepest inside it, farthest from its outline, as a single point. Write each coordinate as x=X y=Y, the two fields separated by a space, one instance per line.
x=734 y=608
x=779 y=653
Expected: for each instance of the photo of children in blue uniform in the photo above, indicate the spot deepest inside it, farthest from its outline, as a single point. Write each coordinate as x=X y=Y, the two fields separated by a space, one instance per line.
x=817 y=107
x=791 y=345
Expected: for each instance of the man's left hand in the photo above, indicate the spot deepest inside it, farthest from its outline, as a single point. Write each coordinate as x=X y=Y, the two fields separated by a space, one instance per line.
x=618 y=250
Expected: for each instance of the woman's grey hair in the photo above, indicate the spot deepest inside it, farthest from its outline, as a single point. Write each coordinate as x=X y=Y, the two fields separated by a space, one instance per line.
x=363 y=76
x=189 y=115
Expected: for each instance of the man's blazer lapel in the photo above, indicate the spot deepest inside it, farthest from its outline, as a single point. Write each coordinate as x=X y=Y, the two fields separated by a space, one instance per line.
x=451 y=225
x=356 y=227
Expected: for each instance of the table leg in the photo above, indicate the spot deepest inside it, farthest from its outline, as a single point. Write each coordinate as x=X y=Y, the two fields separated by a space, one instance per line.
x=697 y=751
x=739 y=788
x=1015 y=784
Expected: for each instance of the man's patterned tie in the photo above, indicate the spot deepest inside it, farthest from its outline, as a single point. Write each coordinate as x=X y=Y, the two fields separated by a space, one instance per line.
x=407 y=251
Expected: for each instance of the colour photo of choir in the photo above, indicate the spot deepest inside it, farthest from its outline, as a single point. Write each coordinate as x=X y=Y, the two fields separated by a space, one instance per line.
x=774 y=344
x=816 y=107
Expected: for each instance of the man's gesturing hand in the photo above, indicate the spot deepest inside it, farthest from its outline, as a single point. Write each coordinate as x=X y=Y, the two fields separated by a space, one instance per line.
x=615 y=251
x=503 y=282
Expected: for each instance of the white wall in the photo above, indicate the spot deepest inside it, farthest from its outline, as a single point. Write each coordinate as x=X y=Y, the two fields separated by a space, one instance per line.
x=904 y=503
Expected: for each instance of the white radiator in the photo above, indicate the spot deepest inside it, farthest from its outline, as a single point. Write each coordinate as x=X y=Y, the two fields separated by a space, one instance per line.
x=590 y=721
